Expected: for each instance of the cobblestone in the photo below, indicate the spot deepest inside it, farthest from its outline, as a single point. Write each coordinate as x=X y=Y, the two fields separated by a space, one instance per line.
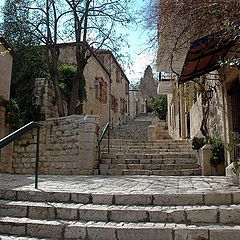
x=122 y=184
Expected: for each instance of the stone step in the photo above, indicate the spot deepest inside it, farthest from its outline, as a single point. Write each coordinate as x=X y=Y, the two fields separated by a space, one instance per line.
x=147 y=156
x=149 y=151
x=224 y=214
x=15 y=237
x=149 y=166
x=148 y=143
x=116 y=231
x=118 y=172
x=151 y=145
x=149 y=161
x=135 y=198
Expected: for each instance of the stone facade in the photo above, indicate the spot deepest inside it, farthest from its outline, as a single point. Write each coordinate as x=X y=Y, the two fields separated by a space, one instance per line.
x=98 y=72
x=68 y=146
x=6 y=59
x=148 y=85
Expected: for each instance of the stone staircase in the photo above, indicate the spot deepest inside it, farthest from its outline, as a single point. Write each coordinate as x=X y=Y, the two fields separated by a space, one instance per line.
x=138 y=216
x=131 y=153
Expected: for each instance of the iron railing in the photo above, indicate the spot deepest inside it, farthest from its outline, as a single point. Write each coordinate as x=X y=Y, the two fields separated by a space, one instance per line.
x=101 y=136
x=18 y=133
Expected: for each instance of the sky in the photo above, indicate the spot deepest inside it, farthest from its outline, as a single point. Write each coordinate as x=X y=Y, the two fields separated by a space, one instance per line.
x=138 y=40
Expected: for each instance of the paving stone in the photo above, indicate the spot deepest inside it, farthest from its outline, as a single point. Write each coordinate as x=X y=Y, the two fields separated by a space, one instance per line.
x=133 y=199
x=101 y=231
x=43 y=228
x=75 y=230
x=102 y=198
x=144 y=232
x=176 y=199
x=203 y=214
x=218 y=198
x=191 y=233
x=224 y=233
x=230 y=214
x=80 y=197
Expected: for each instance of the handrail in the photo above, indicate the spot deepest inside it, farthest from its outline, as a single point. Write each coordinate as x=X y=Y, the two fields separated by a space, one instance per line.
x=102 y=134
x=18 y=133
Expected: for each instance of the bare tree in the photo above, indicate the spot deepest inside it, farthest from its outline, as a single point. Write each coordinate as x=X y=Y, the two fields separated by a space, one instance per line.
x=180 y=22
x=94 y=27
x=91 y=24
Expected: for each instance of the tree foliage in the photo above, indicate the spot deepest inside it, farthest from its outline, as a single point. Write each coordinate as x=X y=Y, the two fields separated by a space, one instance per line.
x=180 y=22
x=160 y=106
x=90 y=24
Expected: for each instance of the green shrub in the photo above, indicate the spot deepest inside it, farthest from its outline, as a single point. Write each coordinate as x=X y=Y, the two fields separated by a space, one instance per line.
x=217 y=149
x=160 y=107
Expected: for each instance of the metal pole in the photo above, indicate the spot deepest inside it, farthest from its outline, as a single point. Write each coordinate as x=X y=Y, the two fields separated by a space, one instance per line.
x=37 y=159
x=110 y=103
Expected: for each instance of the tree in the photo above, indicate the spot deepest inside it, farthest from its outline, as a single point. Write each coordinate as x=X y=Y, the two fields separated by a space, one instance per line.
x=90 y=23
x=28 y=62
x=160 y=106
x=97 y=18
x=180 y=22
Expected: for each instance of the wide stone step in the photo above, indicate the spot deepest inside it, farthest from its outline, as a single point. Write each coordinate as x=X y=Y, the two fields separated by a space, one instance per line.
x=137 y=198
x=119 y=213
x=149 y=166
x=149 y=161
x=15 y=237
x=118 y=172
x=117 y=231
x=148 y=151
x=147 y=155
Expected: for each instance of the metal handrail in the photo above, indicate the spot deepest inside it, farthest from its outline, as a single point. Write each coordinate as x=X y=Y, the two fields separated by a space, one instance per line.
x=102 y=134
x=18 y=133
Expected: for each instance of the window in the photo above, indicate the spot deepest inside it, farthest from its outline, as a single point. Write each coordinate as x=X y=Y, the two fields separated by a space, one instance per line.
x=126 y=88
x=100 y=90
x=123 y=105
x=118 y=75
x=103 y=92
x=114 y=104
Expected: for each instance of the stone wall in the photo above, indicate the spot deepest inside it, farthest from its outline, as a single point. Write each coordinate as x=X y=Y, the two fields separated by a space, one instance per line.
x=68 y=146
x=5 y=72
x=6 y=152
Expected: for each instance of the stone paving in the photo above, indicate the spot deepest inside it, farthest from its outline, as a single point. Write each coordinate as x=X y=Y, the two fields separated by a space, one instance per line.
x=119 y=184
x=119 y=208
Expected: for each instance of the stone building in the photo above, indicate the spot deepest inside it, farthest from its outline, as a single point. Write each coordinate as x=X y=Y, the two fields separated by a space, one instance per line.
x=143 y=95
x=6 y=59
x=204 y=89
x=105 y=81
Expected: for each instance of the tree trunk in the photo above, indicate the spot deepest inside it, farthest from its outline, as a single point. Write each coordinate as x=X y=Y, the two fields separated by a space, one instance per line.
x=58 y=96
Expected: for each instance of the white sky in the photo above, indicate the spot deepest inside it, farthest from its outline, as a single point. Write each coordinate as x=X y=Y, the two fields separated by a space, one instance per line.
x=138 y=42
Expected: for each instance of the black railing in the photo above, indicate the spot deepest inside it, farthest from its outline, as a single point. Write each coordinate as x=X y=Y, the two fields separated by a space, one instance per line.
x=101 y=136
x=18 y=133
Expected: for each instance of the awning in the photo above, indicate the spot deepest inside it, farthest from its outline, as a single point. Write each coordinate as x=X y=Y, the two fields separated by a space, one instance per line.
x=204 y=55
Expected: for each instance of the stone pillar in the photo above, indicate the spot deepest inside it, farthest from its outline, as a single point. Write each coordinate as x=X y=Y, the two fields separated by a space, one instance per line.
x=6 y=152
x=182 y=112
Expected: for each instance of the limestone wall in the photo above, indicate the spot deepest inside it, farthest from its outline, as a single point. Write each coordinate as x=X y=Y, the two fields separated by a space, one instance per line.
x=6 y=152
x=68 y=146
x=5 y=73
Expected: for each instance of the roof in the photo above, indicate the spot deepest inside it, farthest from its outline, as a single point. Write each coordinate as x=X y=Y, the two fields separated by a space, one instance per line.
x=102 y=51
x=73 y=44
x=8 y=46
x=204 y=55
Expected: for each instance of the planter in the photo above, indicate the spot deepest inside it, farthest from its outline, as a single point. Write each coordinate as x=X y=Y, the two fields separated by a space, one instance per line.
x=232 y=177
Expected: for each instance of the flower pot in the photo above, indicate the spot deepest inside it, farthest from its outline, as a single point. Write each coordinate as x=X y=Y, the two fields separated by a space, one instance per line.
x=231 y=176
